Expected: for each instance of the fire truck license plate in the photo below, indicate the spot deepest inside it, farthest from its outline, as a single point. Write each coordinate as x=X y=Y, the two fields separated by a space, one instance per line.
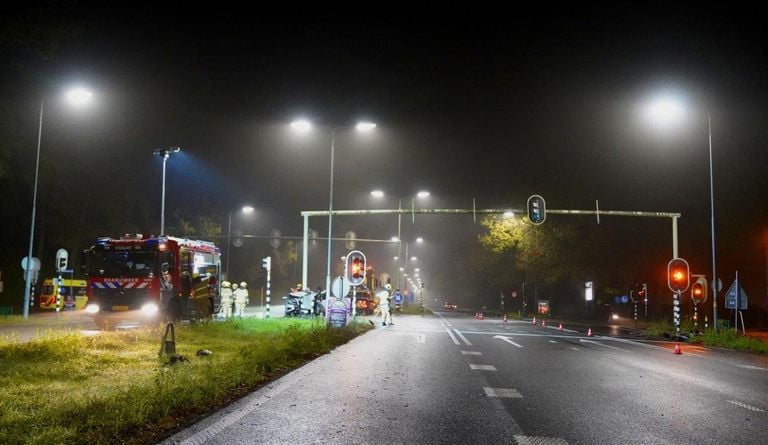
x=119 y=308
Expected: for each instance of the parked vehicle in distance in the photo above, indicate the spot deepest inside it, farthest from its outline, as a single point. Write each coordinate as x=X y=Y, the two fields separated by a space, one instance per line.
x=365 y=304
x=449 y=306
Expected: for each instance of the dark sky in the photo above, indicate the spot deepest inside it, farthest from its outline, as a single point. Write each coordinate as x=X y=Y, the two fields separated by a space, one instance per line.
x=488 y=105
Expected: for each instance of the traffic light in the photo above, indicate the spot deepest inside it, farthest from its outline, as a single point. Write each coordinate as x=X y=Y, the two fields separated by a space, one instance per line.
x=639 y=291
x=356 y=268
x=699 y=290
x=537 y=210
x=678 y=275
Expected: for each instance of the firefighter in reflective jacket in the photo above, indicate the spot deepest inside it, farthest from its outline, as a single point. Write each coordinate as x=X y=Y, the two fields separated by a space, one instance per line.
x=226 y=299
x=385 y=299
x=241 y=299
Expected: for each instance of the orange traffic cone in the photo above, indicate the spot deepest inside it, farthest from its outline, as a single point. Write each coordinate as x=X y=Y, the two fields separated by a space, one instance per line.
x=589 y=332
x=560 y=328
x=677 y=349
x=481 y=316
x=534 y=320
x=543 y=322
x=505 y=318
x=475 y=315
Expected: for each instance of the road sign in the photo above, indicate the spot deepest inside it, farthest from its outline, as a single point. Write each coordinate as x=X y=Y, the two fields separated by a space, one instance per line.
x=340 y=287
x=35 y=264
x=730 y=298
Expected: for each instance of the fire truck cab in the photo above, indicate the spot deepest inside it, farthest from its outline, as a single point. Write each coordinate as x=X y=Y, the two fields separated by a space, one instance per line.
x=138 y=279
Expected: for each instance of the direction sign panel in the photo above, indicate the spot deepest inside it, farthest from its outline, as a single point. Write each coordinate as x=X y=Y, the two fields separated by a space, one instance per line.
x=730 y=298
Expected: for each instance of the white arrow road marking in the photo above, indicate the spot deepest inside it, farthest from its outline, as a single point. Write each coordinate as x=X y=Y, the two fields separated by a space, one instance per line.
x=463 y=352
x=482 y=367
x=453 y=337
x=605 y=346
x=502 y=392
x=462 y=337
x=508 y=340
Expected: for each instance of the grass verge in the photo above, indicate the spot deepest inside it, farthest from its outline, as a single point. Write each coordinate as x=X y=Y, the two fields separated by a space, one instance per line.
x=725 y=338
x=115 y=388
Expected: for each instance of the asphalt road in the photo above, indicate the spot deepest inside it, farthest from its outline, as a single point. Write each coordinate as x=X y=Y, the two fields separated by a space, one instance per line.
x=452 y=379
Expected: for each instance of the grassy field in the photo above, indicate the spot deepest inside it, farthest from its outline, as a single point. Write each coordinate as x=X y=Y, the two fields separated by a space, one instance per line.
x=725 y=338
x=116 y=388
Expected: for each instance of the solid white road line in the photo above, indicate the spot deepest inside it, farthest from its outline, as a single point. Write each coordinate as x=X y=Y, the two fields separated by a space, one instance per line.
x=453 y=337
x=462 y=337
x=471 y=352
x=605 y=346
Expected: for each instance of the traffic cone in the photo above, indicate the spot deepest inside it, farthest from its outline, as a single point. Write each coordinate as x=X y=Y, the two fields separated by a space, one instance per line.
x=677 y=349
x=543 y=322
x=589 y=332
x=560 y=328
x=475 y=315
x=505 y=318
x=534 y=320
x=481 y=316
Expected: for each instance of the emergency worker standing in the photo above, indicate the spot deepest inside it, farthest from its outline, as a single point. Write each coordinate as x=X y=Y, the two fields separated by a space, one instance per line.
x=241 y=299
x=226 y=299
x=385 y=300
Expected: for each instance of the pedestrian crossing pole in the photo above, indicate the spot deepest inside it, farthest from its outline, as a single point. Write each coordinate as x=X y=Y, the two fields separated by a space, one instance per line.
x=267 y=264
x=677 y=312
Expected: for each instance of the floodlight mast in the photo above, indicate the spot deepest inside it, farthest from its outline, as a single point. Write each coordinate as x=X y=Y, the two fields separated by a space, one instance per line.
x=164 y=153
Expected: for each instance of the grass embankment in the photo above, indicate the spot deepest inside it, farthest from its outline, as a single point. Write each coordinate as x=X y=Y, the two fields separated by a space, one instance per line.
x=725 y=338
x=114 y=388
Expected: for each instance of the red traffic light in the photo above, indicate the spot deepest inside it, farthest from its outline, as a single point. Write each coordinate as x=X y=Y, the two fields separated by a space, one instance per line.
x=355 y=267
x=678 y=275
x=699 y=290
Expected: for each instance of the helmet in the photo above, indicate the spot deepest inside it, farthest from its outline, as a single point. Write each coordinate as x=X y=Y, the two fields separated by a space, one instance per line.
x=234 y=285
x=298 y=286
x=243 y=285
x=226 y=284
x=388 y=287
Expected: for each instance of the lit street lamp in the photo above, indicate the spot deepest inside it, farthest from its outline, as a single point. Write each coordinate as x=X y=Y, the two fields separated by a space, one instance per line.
x=164 y=153
x=667 y=111
x=77 y=97
x=304 y=126
x=246 y=210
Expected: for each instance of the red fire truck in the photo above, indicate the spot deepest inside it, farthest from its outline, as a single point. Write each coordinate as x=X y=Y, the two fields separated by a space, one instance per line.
x=141 y=280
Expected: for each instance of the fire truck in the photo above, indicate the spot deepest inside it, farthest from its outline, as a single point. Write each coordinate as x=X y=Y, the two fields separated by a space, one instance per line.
x=137 y=279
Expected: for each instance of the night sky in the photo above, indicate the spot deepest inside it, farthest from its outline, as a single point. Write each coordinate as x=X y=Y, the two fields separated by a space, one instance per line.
x=492 y=106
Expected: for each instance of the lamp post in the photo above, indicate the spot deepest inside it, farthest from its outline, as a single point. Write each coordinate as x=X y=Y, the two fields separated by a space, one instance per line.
x=78 y=97
x=304 y=126
x=423 y=194
x=164 y=153
x=665 y=111
x=247 y=210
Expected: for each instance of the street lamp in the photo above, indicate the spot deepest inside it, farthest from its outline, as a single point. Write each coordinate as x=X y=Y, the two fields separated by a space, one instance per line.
x=380 y=194
x=304 y=126
x=78 y=97
x=666 y=111
x=164 y=153
x=246 y=210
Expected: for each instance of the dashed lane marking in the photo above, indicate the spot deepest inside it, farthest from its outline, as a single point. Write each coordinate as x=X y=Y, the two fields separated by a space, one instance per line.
x=538 y=440
x=502 y=392
x=573 y=348
x=471 y=352
x=744 y=405
x=462 y=337
x=552 y=341
x=482 y=367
